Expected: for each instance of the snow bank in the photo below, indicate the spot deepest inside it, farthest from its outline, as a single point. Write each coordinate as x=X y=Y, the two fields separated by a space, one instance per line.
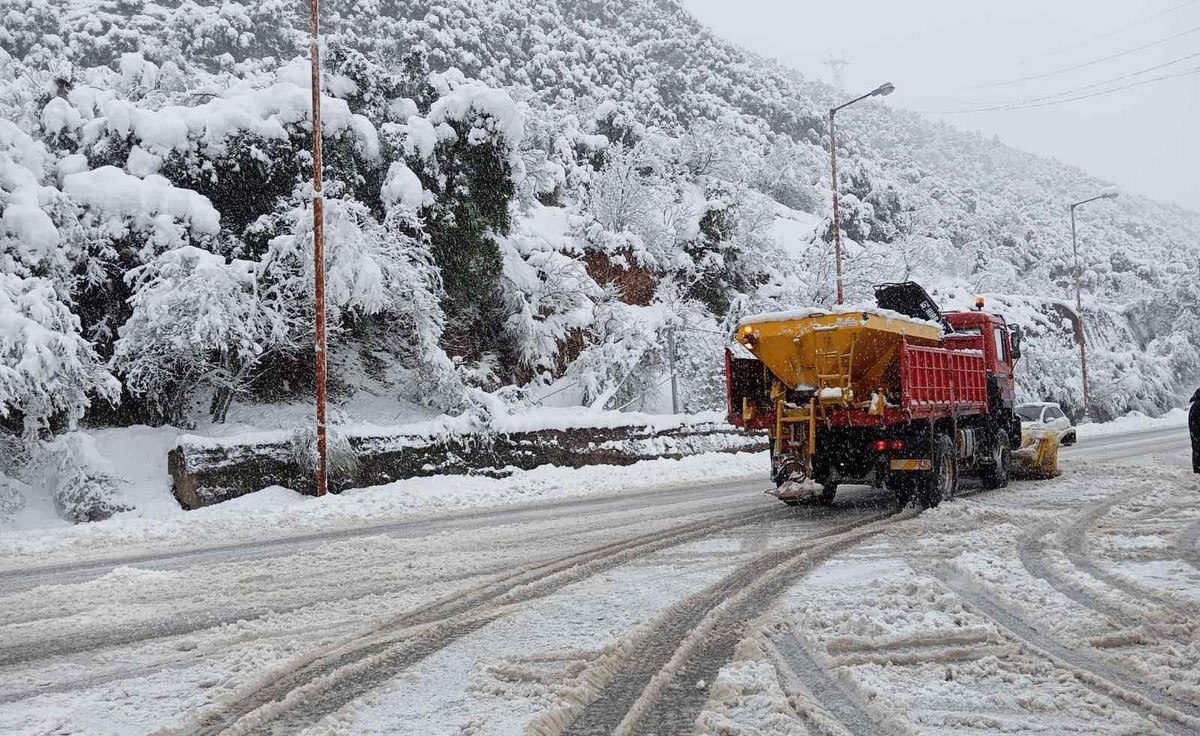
x=1134 y=422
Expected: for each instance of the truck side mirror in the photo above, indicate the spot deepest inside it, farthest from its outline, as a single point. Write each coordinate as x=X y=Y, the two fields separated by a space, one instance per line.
x=1014 y=336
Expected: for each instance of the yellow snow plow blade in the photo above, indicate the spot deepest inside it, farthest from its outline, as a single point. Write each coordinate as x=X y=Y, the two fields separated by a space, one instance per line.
x=1038 y=457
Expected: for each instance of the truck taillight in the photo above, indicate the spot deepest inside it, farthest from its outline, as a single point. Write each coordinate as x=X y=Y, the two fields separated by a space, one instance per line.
x=881 y=445
x=896 y=444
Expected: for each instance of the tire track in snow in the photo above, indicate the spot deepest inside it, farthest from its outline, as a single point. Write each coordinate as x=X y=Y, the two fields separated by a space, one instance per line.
x=1031 y=551
x=292 y=698
x=798 y=664
x=1173 y=715
x=18 y=579
x=661 y=687
x=1074 y=544
x=102 y=638
x=1188 y=543
x=179 y=658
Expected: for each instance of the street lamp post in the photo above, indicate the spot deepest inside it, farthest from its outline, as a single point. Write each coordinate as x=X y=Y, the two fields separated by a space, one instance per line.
x=882 y=90
x=1083 y=366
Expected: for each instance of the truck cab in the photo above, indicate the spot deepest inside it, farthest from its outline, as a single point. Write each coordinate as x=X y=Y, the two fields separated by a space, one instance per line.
x=991 y=335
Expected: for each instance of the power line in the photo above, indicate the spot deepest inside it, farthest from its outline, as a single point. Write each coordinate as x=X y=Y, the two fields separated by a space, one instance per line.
x=1119 y=29
x=1185 y=73
x=1072 y=91
x=1092 y=62
x=1059 y=101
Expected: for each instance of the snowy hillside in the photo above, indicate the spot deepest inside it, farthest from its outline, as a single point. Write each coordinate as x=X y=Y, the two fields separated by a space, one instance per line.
x=522 y=199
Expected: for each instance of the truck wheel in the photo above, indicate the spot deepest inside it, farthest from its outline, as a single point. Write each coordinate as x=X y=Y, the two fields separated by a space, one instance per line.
x=941 y=482
x=995 y=473
x=901 y=486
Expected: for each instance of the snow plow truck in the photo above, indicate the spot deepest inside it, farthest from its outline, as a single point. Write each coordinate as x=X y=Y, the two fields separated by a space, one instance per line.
x=898 y=395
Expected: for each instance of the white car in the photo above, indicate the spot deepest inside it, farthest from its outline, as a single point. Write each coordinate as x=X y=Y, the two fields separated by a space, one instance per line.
x=1046 y=415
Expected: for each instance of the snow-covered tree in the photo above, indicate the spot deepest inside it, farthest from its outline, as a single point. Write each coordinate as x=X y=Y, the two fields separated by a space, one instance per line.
x=199 y=325
x=49 y=374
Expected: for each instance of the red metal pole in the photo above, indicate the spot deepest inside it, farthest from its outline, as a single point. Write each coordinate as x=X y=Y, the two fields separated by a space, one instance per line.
x=318 y=250
x=837 y=218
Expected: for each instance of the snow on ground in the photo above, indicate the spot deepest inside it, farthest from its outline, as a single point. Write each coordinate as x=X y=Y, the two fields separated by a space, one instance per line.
x=139 y=455
x=1063 y=606
x=994 y=613
x=1134 y=422
x=276 y=512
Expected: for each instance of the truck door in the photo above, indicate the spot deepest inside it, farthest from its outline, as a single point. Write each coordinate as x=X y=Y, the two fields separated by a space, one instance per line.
x=1002 y=363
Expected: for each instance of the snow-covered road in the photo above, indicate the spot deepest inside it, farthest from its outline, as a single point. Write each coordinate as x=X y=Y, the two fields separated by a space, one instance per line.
x=1062 y=606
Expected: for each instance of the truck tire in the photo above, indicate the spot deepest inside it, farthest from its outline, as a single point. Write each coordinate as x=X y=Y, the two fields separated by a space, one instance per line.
x=994 y=473
x=942 y=481
x=900 y=483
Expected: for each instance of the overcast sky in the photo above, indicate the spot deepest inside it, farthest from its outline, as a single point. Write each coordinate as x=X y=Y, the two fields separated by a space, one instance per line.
x=937 y=52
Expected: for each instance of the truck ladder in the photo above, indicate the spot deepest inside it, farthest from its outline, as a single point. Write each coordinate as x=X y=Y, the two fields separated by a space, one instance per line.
x=834 y=367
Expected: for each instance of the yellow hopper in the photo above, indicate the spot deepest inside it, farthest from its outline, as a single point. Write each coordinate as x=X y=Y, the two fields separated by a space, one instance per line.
x=838 y=355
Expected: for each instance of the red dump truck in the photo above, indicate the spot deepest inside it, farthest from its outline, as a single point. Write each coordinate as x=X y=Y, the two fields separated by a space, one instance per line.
x=897 y=395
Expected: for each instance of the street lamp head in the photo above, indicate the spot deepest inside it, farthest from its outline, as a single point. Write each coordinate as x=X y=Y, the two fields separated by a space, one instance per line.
x=884 y=90
x=1110 y=193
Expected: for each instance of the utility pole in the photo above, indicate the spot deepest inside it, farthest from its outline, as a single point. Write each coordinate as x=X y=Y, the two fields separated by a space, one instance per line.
x=1083 y=366
x=674 y=374
x=318 y=249
x=881 y=91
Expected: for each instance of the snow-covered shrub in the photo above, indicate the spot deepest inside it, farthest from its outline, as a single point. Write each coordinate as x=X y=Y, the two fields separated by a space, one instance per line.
x=48 y=371
x=551 y=299
x=14 y=454
x=380 y=280
x=199 y=324
x=82 y=483
x=624 y=358
x=343 y=461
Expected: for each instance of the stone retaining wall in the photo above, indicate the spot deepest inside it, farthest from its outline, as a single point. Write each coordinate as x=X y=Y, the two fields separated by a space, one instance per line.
x=205 y=471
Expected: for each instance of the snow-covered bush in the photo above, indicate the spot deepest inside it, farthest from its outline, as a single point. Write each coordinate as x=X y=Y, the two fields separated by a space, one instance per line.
x=82 y=483
x=199 y=324
x=14 y=454
x=343 y=461
x=49 y=374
